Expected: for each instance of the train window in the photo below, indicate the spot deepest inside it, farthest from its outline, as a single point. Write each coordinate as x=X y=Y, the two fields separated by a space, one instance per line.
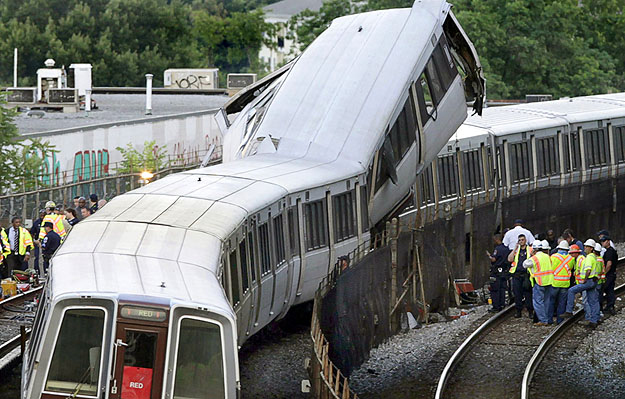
x=403 y=132
x=576 y=155
x=438 y=91
x=343 y=209
x=316 y=225
x=426 y=186
x=199 y=361
x=245 y=283
x=444 y=64
x=501 y=163
x=234 y=278
x=382 y=174
x=597 y=148
x=74 y=368
x=293 y=231
x=472 y=170
x=619 y=143
x=547 y=161
x=424 y=97
x=489 y=164
x=364 y=208
x=566 y=153
x=265 y=255
x=278 y=234
x=448 y=175
x=250 y=245
x=520 y=161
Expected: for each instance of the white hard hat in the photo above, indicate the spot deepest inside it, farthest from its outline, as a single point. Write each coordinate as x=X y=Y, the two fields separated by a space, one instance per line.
x=50 y=204
x=546 y=245
x=590 y=243
x=537 y=245
x=563 y=245
x=598 y=247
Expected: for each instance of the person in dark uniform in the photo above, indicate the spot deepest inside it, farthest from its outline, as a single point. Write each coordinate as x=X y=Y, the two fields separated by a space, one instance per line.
x=610 y=259
x=521 y=286
x=498 y=273
x=49 y=244
x=93 y=203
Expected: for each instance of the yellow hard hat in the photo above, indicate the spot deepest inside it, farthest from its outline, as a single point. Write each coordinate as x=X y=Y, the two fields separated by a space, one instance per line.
x=50 y=204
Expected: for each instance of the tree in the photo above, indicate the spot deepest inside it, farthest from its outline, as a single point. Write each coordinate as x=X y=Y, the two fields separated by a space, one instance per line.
x=20 y=163
x=310 y=24
x=153 y=158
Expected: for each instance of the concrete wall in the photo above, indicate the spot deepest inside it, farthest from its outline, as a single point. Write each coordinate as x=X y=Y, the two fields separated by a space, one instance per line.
x=90 y=152
x=448 y=252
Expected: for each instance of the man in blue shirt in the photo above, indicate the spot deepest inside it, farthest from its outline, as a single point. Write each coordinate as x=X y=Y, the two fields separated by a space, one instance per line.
x=49 y=244
x=498 y=273
x=569 y=236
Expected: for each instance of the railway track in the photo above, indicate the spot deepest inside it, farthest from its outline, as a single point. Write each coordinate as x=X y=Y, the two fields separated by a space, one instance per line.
x=12 y=306
x=499 y=359
x=560 y=344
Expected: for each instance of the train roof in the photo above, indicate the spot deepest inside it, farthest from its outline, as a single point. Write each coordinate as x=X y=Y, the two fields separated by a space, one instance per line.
x=138 y=259
x=510 y=119
x=348 y=83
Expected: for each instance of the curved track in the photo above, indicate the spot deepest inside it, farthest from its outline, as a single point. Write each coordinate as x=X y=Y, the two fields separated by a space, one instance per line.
x=569 y=327
x=500 y=358
x=490 y=362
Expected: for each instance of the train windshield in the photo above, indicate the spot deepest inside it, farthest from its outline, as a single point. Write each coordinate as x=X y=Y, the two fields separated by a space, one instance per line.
x=199 y=362
x=75 y=365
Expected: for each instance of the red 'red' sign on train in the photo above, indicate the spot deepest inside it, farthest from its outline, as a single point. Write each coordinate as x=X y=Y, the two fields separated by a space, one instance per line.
x=141 y=313
x=137 y=383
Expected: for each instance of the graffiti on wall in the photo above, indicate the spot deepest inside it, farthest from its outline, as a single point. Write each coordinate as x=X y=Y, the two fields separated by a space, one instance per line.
x=90 y=164
x=185 y=154
x=194 y=82
x=51 y=170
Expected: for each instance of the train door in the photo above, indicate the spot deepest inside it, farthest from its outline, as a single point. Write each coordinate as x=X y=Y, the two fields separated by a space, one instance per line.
x=139 y=359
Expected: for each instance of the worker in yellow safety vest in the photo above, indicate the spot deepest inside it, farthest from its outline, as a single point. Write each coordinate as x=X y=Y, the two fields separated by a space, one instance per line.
x=563 y=266
x=521 y=285
x=586 y=283
x=600 y=265
x=20 y=244
x=56 y=220
x=540 y=269
x=5 y=250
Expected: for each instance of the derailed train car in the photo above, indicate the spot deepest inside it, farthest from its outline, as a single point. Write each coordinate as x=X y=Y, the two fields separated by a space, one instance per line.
x=152 y=296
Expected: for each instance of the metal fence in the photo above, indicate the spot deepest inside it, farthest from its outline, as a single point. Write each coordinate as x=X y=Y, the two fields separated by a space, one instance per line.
x=26 y=204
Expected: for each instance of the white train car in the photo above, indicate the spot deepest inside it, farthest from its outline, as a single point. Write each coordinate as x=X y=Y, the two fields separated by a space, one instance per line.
x=518 y=148
x=152 y=296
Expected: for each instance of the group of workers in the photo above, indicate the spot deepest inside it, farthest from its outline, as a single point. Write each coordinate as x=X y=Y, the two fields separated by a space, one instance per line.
x=17 y=244
x=544 y=278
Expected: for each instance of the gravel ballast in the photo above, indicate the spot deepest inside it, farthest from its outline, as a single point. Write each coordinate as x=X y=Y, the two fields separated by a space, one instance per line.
x=409 y=364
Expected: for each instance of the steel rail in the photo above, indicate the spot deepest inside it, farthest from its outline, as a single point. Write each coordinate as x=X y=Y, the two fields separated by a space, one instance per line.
x=464 y=348
x=551 y=339
x=20 y=297
x=7 y=347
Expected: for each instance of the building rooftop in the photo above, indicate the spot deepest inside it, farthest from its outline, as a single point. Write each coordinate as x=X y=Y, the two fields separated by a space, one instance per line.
x=288 y=8
x=114 y=108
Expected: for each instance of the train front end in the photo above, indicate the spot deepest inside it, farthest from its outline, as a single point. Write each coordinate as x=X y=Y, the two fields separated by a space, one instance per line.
x=138 y=321
x=131 y=347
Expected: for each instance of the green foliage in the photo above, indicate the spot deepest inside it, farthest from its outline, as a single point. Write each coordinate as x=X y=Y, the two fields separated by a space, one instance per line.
x=309 y=24
x=153 y=158
x=562 y=47
x=21 y=163
x=125 y=39
x=525 y=46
